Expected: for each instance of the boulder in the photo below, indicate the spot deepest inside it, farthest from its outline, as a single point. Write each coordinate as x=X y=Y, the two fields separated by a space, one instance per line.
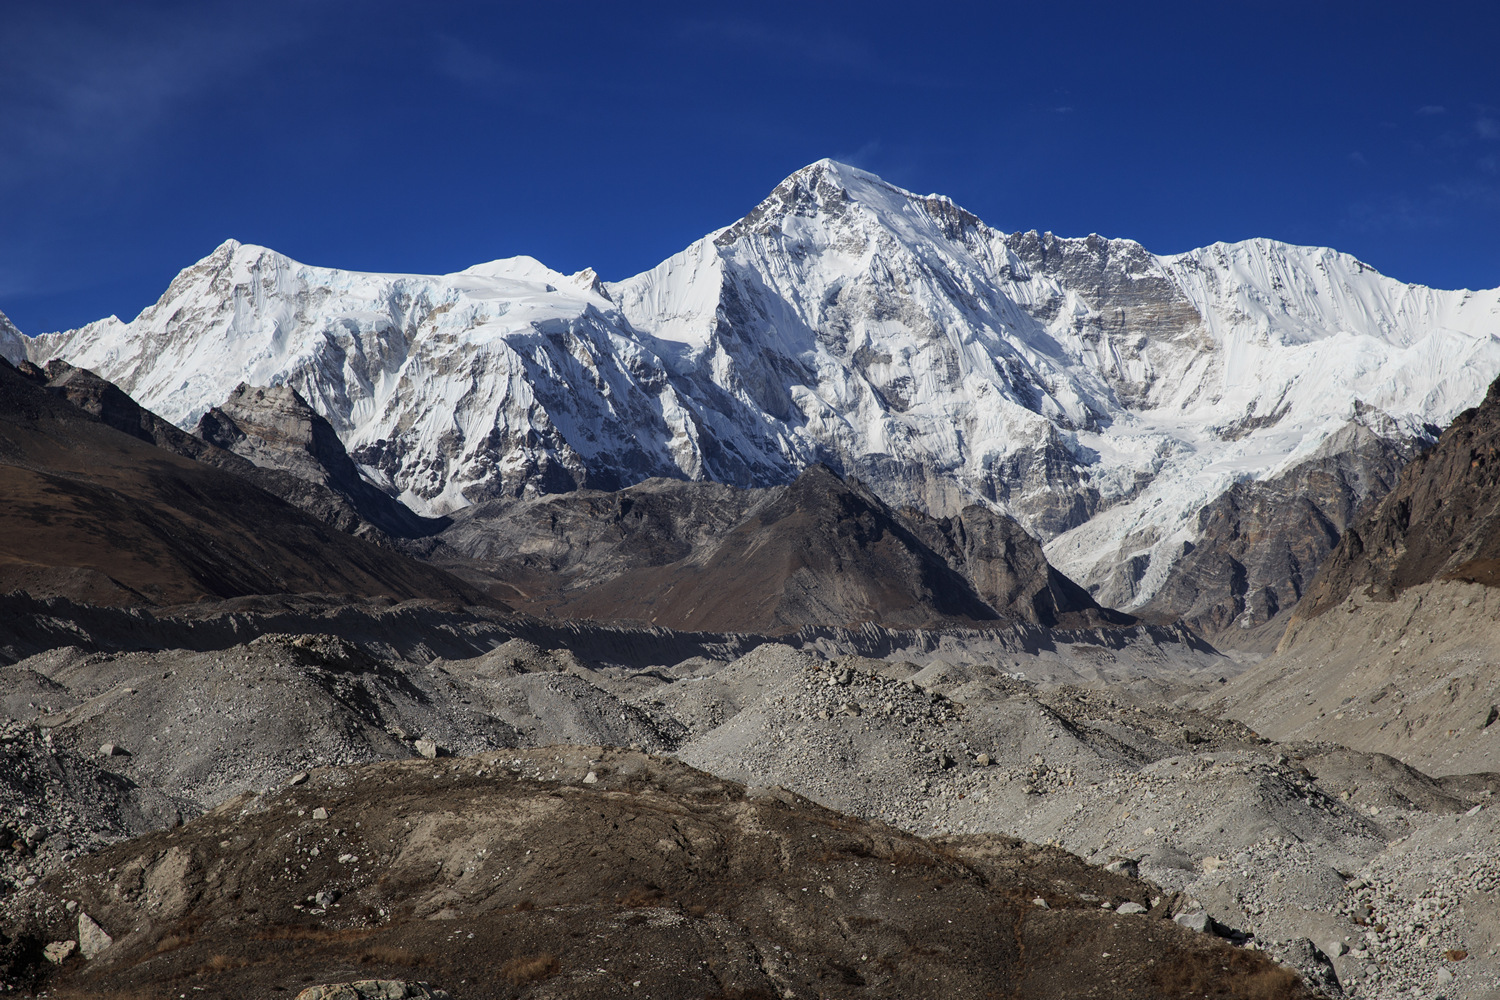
x=92 y=939
x=1200 y=921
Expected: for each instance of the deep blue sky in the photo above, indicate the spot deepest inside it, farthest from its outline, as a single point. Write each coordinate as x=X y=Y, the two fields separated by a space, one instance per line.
x=430 y=136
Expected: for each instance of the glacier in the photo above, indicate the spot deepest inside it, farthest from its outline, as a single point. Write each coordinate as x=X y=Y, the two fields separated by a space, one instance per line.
x=1097 y=392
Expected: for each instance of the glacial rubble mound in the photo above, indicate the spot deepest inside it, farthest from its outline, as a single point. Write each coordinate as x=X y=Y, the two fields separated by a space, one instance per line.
x=589 y=871
x=822 y=550
x=105 y=516
x=1413 y=678
x=1277 y=845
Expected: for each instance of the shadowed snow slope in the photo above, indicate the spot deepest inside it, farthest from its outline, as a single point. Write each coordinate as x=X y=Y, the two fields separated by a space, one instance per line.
x=1101 y=394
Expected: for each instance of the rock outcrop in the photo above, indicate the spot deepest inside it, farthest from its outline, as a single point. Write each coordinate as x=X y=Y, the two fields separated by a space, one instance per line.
x=267 y=436
x=103 y=515
x=820 y=551
x=1441 y=522
x=1260 y=544
x=275 y=429
x=591 y=872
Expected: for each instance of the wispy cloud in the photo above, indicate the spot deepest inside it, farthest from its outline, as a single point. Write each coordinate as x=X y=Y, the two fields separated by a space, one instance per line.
x=1432 y=109
x=1440 y=206
x=79 y=93
x=863 y=157
x=465 y=63
x=824 y=52
x=1486 y=127
x=1470 y=194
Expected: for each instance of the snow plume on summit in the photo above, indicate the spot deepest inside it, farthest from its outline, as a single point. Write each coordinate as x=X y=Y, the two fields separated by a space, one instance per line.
x=1099 y=393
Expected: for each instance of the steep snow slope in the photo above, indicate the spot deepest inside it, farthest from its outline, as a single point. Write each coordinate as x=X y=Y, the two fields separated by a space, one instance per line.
x=1099 y=393
x=12 y=343
x=499 y=376
x=1102 y=394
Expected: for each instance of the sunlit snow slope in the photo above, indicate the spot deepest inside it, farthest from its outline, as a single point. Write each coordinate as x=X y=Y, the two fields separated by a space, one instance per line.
x=1099 y=393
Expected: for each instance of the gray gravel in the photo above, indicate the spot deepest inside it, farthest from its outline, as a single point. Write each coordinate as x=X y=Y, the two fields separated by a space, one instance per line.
x=1365 y=874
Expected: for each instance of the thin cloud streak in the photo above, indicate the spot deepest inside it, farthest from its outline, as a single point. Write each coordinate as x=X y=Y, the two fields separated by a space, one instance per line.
x=464 y=63
x=88 y=96
x=839 y=54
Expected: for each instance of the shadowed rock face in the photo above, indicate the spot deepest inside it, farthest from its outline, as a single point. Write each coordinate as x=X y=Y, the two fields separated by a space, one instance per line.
x=1261 y=543
x=821 y=550
x=275 y=429
x=586 y=871
x=103 y=515
x=1441 y=522
x=325 y=484
x=1007 y=568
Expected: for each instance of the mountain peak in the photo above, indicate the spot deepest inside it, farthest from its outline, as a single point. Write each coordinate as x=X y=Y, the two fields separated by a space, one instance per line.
x=834 y=172
x=828 y=189
x=830 y=178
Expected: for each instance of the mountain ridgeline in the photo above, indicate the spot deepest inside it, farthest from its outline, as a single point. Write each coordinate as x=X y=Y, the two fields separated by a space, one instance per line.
x=820 y=550
x=1184 y=434
x=97 y=511
x=697 y=556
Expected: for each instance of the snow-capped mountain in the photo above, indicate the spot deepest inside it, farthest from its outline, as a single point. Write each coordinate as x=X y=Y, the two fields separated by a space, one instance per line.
x=1101 y=394
x=12 y=344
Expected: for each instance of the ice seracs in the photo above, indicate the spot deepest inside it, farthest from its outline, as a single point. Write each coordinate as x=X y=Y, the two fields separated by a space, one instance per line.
x=1099 y=393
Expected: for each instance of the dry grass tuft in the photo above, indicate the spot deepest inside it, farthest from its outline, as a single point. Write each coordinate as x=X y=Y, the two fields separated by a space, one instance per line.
x=222 y=963
x=642 y=895
x=530 y=968
x=387 y=954
x=1240 y=975
x=170 y=943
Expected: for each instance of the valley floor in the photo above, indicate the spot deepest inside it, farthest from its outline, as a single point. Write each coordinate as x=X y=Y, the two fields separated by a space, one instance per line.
x=1372 y=878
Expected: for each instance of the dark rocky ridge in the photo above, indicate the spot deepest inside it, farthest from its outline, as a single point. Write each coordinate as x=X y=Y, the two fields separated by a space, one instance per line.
x=107 y=517
x=820 y=551
x=1440 y=522
x=696 y=556
x=274 y=428
x=325 y=483
x=1260 y=543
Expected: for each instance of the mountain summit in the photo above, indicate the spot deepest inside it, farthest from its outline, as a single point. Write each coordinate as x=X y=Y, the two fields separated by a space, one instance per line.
x=1101 y=394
